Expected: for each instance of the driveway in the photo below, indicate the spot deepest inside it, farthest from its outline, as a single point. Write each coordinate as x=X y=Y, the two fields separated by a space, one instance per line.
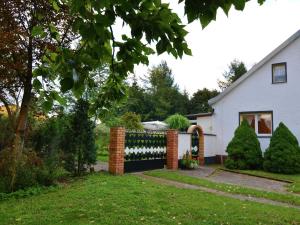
x=221 y=176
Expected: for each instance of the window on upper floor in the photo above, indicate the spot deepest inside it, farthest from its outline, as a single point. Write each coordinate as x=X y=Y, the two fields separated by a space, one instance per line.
x=279 y=74
x=261 y=122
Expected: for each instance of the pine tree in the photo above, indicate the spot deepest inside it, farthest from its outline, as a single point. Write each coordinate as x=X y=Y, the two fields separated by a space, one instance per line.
x=244 y=150
x=283 y=154
x=80 y=148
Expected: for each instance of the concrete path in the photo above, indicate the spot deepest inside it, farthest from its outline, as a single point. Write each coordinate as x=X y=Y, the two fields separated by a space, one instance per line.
x=213 y=191
x=101 y=166
x=222 y=176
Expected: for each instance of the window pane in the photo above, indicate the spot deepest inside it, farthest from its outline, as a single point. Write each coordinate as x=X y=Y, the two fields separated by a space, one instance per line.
x=279 y=73
x=250 y=118
x=265 y=123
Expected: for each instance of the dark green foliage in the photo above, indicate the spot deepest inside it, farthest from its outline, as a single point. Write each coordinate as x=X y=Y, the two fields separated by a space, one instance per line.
x=102 y=135
x=6 y=132
x=236 y=69
x=24 y=193
x=131 y=121
x=283 y=154
x=79 y=144
x=199 y=101
x=30 y=171
x=47 y=140
x=177 y=121
x=244 y=150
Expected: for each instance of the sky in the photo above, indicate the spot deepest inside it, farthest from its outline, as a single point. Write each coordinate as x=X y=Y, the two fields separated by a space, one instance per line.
x=247 y=35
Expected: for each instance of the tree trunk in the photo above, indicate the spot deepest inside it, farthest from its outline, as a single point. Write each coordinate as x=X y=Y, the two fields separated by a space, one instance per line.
x=21 y=122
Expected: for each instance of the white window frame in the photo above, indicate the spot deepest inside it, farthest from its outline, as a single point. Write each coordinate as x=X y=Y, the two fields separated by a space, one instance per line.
x=256 y=116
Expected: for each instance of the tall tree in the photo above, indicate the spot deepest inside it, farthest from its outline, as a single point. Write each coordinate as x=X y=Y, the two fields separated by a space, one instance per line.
x=163 y=92
x=64 y=40
x=80 y=149
x=235 y=70
x=199 y=101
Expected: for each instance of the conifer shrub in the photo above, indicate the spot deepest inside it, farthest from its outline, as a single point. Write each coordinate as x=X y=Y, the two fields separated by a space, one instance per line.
x=283 y=154
x=244 y=150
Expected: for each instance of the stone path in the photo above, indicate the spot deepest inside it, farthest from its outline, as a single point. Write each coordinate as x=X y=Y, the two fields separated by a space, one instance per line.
x=222 y=176
x=213 y=191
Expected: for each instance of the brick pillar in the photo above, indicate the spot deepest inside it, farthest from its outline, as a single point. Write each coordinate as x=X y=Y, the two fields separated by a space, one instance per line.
x=201 y=149
x=116 y=150
x=172 y=149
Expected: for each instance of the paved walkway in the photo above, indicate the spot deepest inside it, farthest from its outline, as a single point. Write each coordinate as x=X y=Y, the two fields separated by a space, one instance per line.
x=222 y=176
x=101 y=166
x=213 y=191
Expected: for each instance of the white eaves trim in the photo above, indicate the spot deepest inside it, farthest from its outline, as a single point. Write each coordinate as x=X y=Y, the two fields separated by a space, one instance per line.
x=255 y=68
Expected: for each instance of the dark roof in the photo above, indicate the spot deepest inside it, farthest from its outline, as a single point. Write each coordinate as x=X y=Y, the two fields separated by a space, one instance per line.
x=194 y=116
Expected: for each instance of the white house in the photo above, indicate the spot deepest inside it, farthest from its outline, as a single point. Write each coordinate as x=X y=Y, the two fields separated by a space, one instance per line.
x=266 y=95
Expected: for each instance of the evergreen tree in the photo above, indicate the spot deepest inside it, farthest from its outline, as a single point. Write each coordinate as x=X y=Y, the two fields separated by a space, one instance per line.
x=199 y=101
x=235 y=70
x=244 y=150
x=79 y=146
x=164 y=94
x=283 y=154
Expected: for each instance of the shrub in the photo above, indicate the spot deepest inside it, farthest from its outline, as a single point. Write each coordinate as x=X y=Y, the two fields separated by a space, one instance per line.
x=6 y=133
x=131 y=121
x=102 y=135
x=283 y=154
x=79 y=140
x=244 y=150
x=30 y=171
x=177 y=121
x=187 y=162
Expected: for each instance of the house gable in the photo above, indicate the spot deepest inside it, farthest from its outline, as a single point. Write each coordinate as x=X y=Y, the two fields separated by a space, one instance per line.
x=255 y=68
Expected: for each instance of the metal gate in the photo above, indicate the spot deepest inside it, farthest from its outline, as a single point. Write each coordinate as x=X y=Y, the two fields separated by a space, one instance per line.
x=195 y=145
x=144 y=151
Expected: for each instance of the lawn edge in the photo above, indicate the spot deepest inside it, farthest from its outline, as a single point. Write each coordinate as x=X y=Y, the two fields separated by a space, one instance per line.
x=252 y=189
x=254 y=175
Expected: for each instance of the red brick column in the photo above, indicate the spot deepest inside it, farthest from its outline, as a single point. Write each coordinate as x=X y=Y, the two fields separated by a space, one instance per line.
x=172 y=149
x=116 y=150
x=201 y=149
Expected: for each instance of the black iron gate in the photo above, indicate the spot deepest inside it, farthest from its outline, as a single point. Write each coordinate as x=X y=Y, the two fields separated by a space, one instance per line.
x=195 y=145
x=144 y=151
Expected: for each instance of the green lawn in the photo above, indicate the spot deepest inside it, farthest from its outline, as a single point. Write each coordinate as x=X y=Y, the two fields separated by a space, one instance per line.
x=177 y=176
x=295 y=178
x=105 y=199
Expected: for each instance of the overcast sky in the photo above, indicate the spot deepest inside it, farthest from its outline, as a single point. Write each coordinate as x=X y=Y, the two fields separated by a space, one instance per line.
x=248 y=36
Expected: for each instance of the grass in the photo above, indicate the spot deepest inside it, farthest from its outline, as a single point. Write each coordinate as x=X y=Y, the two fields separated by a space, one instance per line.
x=105 y=199
x=177 y=176
x=102 y=156
x=102 y=142
x=295 y=178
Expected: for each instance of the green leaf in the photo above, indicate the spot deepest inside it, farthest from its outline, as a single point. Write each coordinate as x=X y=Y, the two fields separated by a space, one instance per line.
x=47 y=105
x=58 y=98
x=66 y=84
x=160 y=47
x=55 y=5
x=37 y=84
x=239 y=4
x=36 y=31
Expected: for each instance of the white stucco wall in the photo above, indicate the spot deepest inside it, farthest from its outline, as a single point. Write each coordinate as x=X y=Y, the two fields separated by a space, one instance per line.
x=257 y=93
x=206 y=123
x=184 y=144
x=209 y=146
